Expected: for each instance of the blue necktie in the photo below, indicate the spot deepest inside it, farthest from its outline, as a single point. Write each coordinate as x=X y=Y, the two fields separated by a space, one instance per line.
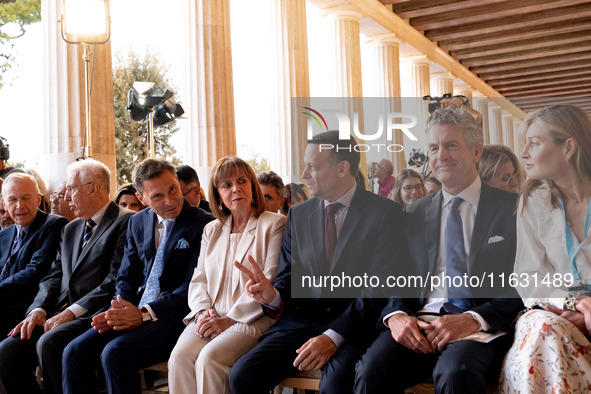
x=153 y=282
x=455 y=263
x=88 y=231
x=16 y=245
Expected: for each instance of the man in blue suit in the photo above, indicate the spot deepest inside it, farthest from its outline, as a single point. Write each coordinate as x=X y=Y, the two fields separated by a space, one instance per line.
x=145 y=320
x=27 y=248
x=467 y=228
x=344 y=231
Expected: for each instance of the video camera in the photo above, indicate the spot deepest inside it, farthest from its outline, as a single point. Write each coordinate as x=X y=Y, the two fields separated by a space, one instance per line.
x=435 y=102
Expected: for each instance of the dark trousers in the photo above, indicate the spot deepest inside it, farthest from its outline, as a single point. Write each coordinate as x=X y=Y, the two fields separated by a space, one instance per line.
x=271 y=361
x=18 y=358
x=462 y=366
x=121 y=354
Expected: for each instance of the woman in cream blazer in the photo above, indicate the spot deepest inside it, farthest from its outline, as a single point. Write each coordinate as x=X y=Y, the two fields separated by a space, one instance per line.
x=224 y=322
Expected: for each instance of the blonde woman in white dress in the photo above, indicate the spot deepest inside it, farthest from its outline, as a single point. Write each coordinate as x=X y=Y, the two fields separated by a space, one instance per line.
x=551 y=352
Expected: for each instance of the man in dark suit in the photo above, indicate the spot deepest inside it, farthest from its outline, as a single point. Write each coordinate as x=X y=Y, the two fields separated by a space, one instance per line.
x=27 y=248
x=146 y=318
x=80 y=283
x=467 y=228
x=190 y=187
x=343 y=231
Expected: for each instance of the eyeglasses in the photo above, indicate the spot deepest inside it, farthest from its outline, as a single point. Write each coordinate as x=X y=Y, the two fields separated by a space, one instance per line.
x=59 y=196
x=73 y=188
x=189 y=191
x=408 y=188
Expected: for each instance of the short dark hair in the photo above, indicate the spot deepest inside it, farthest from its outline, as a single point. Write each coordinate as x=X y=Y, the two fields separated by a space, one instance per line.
x=342 y=149
x=187 y=174
x=150 y=169
x=271 y=178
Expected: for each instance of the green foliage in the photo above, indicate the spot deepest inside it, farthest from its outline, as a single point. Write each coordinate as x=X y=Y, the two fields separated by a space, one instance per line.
x=254 y=158
x=131 y=136
x=14 y=16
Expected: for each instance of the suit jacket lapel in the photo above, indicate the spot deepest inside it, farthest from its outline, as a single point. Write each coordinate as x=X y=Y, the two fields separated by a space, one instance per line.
x=243 y=246
x=37 y=223
x=483 y=220
x=149 y=226
x=316 y=241
x=108 y=219
x=77 y=242
x=433 y=228
x=7 y=246
x=175 y=233
x=354 y=214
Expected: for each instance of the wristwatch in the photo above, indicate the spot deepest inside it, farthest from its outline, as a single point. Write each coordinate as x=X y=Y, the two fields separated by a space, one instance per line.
x=146 y=315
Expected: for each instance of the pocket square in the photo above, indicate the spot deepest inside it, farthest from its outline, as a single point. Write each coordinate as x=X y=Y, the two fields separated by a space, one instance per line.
x=182 y=244
x=495 y=239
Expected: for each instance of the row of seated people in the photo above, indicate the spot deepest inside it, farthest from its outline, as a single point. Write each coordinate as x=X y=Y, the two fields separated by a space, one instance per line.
x=224 y=299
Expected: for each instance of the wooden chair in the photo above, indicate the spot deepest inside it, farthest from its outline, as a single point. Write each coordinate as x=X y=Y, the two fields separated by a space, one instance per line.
x=306 y=380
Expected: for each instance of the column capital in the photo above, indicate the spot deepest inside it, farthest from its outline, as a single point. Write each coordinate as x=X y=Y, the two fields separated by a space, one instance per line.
x=463 y=89
x=494 y=107
x=344 y=11
x=416 y=59
x=378 y=39
x=477 y=95
x=505 y=113
x=445 y=75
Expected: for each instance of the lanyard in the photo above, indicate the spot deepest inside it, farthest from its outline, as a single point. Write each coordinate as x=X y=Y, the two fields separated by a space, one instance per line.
x=570 y=248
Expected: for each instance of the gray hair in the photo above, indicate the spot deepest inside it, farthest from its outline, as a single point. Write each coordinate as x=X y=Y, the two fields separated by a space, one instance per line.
x=22 y=176
x=461 y=118
x=92 y=170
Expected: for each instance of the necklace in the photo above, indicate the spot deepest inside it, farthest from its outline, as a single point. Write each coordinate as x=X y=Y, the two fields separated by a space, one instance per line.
x=241 y=229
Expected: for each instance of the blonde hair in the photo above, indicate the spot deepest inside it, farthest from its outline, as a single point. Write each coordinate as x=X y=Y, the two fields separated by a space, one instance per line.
x=562 y=122
x=228 y=165
x=493 y=157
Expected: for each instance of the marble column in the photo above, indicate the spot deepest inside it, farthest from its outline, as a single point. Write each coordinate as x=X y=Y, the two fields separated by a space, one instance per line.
x=508 y=138
x=463 y=89
x=442 y=83
x=415 y=85
x=290 y=79
x=64 y=108
x=209 y=85
x=518 y=137
x=480 y=104
x=386 y=52
x=495 y=124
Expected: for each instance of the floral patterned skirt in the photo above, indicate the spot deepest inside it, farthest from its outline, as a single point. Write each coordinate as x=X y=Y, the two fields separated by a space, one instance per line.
x=549 y=355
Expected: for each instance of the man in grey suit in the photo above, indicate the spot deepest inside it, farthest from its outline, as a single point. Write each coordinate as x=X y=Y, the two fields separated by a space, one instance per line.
x=465 y=229
x=80 y=283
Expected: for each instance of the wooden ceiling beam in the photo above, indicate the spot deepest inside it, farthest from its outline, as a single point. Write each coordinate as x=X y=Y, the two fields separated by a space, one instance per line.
x=420 y=8
x=575 y=92
x=488 y=12
x=389 y=20
x=524 y=33
x=565 y=14
x=524 y=64
x=539 y=76
x=547 y=100
x=535 y=53
x=540 y=91
x=523 y=45
x=562 y=81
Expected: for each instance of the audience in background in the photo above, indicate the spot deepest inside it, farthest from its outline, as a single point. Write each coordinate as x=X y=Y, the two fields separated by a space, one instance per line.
x=293 y=194
x=408 y=188
x=5 y=219
x=59 y=204
x=272 y=187
x=126 y=197
x=45 y=199
x=191 y=187
x=498 y=167
x=432 y=185
x=383 y=171
x=224 y=323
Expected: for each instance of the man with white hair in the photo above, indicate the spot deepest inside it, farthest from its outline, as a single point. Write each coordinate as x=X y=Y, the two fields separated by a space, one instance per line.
x=27 y=248
x=80 y=283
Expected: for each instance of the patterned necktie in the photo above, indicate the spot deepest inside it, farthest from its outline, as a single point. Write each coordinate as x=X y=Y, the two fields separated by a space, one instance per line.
x=455 y=265
x=16 y=245
x=153 y=283
x=88 y=231
x=330 y=230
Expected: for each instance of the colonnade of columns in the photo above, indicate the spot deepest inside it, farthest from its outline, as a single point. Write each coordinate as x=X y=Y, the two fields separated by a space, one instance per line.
x=209 y=85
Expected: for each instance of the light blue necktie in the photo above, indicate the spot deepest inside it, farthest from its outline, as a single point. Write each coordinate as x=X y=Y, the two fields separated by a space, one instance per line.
x=16 y=245
x=455 y=263
x=153 y=282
